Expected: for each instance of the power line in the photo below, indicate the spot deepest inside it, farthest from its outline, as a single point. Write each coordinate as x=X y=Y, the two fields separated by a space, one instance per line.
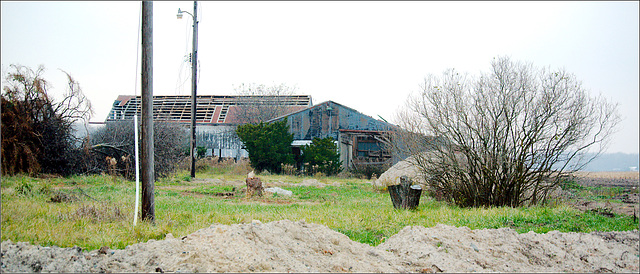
x=179 y=89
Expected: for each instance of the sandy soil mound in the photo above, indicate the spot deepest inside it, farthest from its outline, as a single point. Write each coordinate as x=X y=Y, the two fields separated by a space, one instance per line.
x=451 y=249
x=285 y=246
x=281 y=246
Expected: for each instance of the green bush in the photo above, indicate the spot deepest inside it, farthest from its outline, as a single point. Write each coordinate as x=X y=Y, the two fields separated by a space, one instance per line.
x=201 y=151
x=321 y=156
x=268 y=144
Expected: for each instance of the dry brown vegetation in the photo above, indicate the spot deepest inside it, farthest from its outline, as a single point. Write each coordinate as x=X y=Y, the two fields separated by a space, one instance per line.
x=626 y=175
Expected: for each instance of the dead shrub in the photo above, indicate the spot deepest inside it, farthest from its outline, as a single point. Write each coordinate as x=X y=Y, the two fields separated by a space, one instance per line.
x=98 y=213
x=242 y=167
x=209 y=163
x=205 y=164
x=288 y=169
x=319 y=175
x=184 y=163
x=116 y=142
x=61 y=197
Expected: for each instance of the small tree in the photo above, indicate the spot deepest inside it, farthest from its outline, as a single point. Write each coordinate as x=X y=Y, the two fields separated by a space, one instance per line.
x=506 y=137
x=269 y=145
x=322 y=156
x=201 y=151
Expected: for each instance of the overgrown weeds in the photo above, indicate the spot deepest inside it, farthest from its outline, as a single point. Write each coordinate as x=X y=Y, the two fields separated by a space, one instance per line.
x=24 y=188
x=217 y=166
x=98 y=213
x=101 y=212
x=63 y=197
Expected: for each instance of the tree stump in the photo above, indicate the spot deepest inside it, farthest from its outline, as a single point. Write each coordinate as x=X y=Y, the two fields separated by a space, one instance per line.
x=405 y=195
x=254 y=185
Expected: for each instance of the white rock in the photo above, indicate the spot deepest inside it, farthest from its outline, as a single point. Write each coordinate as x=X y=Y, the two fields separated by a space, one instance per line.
x=279 y=191
x=312 y=182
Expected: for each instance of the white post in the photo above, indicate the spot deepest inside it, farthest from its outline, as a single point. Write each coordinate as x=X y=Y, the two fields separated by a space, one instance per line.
x=135 y=214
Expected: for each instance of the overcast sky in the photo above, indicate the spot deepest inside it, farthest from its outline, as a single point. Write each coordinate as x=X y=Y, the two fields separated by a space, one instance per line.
x=366 y=55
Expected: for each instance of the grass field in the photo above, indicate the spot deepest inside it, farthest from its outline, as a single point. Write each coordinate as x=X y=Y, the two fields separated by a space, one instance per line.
x=95 y=211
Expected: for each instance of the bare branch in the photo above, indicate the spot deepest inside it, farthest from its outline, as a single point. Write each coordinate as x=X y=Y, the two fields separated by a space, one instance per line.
x=506 y=137
x=259 y=103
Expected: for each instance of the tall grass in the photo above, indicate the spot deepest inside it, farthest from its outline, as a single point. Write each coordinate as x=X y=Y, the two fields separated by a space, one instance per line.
x=99 y=211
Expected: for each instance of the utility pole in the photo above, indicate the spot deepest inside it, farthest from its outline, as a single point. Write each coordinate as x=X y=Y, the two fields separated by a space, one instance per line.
x=194 y=83
x=148 y=175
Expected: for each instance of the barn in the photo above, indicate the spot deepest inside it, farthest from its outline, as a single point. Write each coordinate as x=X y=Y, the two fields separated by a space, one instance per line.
x=360 y=138
x=217 y=116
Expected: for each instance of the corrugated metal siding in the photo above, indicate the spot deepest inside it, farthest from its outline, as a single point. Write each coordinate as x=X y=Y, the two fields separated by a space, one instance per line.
x=354 y=130
x=319 y=122
x=220 y=140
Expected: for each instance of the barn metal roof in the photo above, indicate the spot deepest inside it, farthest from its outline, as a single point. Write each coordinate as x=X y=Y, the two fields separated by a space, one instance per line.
x=211 y=109
x=328 y=119
x=313 y=107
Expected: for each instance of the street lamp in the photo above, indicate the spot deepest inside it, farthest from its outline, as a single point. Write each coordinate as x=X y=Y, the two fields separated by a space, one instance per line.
x=194 y=65
x=180 y=13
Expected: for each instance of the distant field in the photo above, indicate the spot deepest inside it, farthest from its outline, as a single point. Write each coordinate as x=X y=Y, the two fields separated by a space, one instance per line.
x=624 y=179
x=626 y=175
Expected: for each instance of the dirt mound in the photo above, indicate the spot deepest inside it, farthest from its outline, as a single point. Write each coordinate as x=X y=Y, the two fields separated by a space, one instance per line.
x=460 y=249
x=281 y=246
x=285 y=246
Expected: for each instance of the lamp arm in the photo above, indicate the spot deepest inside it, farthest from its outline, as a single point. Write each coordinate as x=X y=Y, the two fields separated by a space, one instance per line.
x=188 y=13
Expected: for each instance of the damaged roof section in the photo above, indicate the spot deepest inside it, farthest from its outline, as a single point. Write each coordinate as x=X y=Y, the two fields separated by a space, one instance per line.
x=211 y=109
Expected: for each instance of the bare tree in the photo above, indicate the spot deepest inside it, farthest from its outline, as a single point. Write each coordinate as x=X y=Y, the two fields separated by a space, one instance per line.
x=259 y=103
x=37 y=131
x=116 y=141
x=505 y=138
